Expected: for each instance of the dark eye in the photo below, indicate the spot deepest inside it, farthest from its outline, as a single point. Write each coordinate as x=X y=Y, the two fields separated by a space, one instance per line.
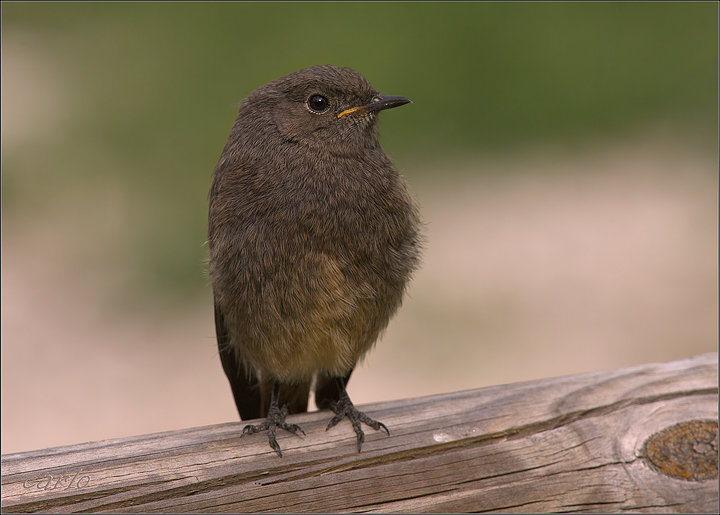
x=318 y=103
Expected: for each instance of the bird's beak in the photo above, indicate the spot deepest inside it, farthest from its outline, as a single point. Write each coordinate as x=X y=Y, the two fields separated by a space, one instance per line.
x=377 y=103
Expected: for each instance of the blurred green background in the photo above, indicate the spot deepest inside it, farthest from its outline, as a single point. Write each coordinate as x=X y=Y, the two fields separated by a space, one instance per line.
x=114 y=115
x=152 y=87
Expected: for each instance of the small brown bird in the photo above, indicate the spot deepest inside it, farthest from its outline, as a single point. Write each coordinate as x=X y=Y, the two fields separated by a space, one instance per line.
x=313 y=238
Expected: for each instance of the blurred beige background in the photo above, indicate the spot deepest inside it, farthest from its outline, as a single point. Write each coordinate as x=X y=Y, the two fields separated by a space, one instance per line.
x=568 y=181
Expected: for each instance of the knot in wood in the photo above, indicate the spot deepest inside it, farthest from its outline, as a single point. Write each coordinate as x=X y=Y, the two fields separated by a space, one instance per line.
x=688 y=450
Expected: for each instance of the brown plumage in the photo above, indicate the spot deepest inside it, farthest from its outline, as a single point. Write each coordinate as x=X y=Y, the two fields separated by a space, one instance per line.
x=313 y=238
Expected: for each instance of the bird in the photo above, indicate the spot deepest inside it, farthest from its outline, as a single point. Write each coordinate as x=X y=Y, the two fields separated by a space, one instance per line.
x=313 y=238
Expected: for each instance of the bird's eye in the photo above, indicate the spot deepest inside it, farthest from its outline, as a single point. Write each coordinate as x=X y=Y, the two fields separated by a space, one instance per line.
x=318 y=103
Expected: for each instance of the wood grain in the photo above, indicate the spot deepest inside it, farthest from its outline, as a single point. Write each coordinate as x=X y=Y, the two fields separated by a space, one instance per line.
x=573 y=443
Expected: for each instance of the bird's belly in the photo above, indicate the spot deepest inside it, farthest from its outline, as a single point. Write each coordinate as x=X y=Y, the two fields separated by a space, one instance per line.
x=309 y=319
x=301 y=357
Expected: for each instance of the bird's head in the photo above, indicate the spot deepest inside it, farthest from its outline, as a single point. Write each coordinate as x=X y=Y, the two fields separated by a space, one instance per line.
x=325 y=107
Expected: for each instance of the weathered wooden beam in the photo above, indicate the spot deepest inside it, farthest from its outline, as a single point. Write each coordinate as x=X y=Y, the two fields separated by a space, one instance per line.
x=605 y=441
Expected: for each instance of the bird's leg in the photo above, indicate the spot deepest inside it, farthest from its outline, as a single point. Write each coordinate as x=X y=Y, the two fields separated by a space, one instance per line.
x=345 y=408
x=275 y=418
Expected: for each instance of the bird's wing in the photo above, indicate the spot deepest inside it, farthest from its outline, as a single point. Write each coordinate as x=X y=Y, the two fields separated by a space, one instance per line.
x=243 y=382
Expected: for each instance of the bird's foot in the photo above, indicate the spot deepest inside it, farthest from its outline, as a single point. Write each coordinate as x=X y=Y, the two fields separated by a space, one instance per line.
x=275 y=419
x=345 y=408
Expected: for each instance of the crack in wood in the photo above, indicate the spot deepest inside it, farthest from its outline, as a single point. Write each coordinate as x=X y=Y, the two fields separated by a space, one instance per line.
x=49 y=504
x=651 y=506
x=509 y=506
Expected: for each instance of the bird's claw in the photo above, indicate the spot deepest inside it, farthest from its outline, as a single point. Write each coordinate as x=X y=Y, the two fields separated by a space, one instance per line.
x=275 y=420
x=344 y=408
